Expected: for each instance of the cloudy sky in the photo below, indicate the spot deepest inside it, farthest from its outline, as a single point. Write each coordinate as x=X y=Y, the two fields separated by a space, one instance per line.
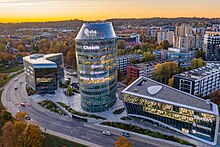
x=45 y=10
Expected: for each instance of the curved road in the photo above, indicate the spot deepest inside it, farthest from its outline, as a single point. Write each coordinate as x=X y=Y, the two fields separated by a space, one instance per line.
x=89 y=133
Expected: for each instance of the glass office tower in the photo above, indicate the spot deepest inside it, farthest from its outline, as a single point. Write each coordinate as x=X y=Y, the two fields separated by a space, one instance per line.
x=96 y=53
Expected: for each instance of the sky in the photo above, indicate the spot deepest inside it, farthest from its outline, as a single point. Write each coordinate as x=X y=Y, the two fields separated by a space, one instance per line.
x=52 y=10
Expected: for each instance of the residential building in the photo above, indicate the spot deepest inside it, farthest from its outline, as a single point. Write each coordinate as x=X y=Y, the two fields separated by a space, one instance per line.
x=96 y=53
x=42 y=72
x=124 y=61
x=130 y=39
x=183 y=56
x=187 y=114
x=165 y=35
x=145 y=69
x=211 y=46
x=201 y=81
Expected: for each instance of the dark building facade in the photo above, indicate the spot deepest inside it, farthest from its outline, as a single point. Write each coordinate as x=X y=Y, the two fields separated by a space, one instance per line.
x=179 y=111
x=96 y=53
x=41 y=74
x=211 y=46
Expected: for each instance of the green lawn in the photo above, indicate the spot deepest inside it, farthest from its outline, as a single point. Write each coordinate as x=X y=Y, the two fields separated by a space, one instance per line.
x=1 y=106
x=10 y=69
x=9 y=78
x=54 y=141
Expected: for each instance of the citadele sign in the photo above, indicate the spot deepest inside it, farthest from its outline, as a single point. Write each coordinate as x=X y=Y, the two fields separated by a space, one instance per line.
x=88 y=32
x=90 y=47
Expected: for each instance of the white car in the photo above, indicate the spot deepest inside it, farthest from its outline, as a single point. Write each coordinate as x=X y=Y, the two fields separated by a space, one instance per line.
x=16 y=79
x=106 y=133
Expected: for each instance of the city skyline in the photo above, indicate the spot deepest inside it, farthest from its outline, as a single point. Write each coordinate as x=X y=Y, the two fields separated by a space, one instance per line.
x=54 y=10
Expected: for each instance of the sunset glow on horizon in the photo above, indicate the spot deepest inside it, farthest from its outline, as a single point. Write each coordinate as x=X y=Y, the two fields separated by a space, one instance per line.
x=53 y=10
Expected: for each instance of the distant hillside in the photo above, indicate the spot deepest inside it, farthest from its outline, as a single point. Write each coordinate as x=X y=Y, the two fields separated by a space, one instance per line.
x=54 y=24
x=10 y=27
x=165 y=21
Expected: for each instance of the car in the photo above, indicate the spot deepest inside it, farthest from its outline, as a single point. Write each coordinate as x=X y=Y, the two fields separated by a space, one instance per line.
x=20 y=82
x=106 y=133
x=125 y=134
x=27 y=117
x=16 y=87
x=16 y=79
x=22 y=104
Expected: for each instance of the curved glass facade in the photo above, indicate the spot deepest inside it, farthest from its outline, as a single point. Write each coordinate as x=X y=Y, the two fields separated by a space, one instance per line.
x=96 y=54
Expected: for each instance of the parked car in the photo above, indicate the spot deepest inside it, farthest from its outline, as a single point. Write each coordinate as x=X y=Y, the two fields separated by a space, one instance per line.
x=16 y=79
x=125 y=134
x=106 y=133
x=22 y=104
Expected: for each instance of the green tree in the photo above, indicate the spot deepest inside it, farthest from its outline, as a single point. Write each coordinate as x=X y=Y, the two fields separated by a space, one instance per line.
x=32 y=136
x=5 y=116
x=121 y=44
x=199 y=53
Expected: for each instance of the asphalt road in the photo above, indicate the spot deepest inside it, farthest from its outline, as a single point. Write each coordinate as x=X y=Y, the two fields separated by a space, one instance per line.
x=52 y=121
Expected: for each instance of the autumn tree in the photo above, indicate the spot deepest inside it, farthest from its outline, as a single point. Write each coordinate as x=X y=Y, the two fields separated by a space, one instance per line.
x=120 y=75
x=163 y=72
x=165 y=44
x=32 y=136
x=18 y=128
x=196 y=63
x=8 y=137
x=21 y=116
x=148 y=56
x=171 y=81
x=123 y=142
x=21 y=48
x=121 y=44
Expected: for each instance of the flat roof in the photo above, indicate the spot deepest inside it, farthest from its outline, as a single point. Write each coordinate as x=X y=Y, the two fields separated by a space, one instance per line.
x=200 y=73
x=150 y=89
x=40 y=60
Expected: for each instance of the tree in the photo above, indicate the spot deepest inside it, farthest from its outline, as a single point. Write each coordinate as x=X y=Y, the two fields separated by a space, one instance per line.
x=134 y=61
x=21 y=48
x=8 y=135
x=196 y=63
x=120 y=52
x=148 y=56
x=21 y=116
x=199 y=53
x=145 y=47
x=5 y=116
x=121 y=44
x=32 y=136
x=171 y=81
x=120 y=75
x=18 y=128
x=165 y=44
x=123 y=142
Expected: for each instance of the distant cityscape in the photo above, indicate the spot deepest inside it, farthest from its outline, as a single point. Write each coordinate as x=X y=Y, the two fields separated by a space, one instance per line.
x=116 y=77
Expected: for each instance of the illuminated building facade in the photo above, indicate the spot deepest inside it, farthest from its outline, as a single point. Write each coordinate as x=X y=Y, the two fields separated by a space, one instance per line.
x=42 y=72
x=96 y=53
x=177 y=110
